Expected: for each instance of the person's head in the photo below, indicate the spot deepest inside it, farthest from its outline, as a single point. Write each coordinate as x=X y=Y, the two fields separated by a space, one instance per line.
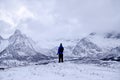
x=61 y=44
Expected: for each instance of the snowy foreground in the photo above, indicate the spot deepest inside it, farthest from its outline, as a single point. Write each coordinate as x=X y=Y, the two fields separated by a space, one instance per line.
x=69 y=70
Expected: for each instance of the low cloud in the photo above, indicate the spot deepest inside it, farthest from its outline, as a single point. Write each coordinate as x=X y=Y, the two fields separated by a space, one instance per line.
x=59 y=18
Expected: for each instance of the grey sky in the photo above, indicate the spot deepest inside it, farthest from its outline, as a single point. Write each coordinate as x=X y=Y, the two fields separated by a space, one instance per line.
x=49 y=19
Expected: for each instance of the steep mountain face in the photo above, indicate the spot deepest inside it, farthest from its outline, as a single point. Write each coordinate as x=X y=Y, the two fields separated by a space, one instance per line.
x=98 y=45
x=86 y=48
x=20 y=39
x=21 y=48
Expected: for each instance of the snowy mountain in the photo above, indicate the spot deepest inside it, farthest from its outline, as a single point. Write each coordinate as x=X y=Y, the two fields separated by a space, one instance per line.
x=20 y=48
x=98 y=46
x=86 y=48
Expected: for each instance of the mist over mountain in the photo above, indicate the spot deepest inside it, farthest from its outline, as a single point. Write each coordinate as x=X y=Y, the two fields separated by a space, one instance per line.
x=59 y=19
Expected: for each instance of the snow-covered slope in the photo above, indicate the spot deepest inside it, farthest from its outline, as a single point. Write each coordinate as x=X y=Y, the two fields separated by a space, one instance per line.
x=61 y=71
x=97 y=45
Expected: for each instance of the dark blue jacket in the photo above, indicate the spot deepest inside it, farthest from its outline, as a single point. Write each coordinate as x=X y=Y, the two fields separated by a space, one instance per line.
x=60 y=49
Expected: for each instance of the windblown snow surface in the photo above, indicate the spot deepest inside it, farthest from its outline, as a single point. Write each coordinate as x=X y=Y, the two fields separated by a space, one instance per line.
x=69 y=70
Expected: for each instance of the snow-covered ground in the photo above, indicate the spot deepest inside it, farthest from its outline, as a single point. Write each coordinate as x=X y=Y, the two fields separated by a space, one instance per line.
x=62 y=71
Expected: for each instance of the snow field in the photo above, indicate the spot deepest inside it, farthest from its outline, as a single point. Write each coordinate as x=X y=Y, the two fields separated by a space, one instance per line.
x=61 y=71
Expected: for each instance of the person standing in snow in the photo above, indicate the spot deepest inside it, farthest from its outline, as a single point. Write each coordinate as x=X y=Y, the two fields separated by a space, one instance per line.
x=60 y=53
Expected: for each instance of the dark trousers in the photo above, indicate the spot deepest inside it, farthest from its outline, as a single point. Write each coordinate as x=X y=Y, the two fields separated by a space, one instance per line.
x=60 y=58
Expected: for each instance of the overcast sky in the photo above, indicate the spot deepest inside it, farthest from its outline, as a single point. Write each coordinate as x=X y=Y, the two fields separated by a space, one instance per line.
x=49 y=19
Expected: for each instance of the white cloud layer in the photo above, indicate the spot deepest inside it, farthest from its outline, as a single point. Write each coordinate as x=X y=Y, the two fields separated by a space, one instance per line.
x=49 y=19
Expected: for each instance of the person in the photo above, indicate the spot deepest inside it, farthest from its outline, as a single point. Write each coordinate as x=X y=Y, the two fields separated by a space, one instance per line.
x=60 y=52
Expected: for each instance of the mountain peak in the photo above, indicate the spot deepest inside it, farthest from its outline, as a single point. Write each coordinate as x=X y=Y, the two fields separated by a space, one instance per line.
x=17 y=35
x=17 y=32
x=113 y=35
x=92 y=34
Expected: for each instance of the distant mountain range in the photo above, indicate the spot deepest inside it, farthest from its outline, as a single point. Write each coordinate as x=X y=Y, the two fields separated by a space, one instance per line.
x=99 y=46
x=19 y=47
